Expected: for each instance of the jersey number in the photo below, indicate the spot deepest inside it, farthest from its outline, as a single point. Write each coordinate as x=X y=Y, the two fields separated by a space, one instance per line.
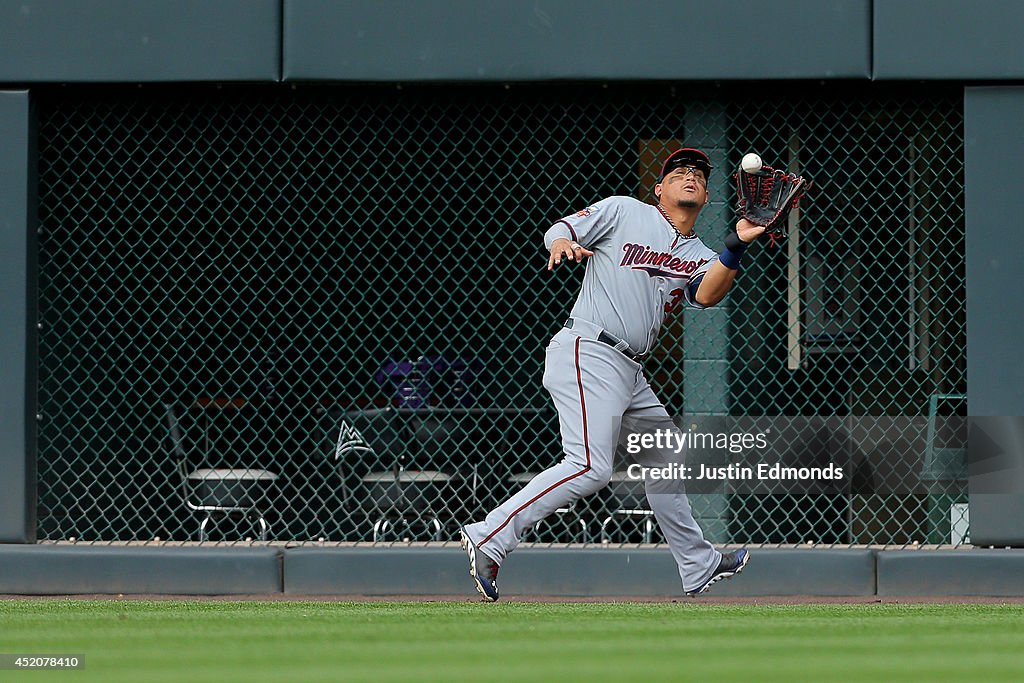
x=676 y=294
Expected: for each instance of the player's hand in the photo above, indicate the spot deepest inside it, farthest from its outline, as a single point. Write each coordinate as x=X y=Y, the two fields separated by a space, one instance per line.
x=747 y=231
x=572 y=251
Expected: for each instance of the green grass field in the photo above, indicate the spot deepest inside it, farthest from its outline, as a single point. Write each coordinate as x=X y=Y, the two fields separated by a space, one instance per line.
x=465 y=641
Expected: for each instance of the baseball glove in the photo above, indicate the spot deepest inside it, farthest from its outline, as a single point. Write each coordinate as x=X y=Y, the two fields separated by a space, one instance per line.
x=767 y=197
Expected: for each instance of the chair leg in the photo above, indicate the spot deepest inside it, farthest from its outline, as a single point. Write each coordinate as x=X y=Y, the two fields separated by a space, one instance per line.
x=202 y=527
x=648 y=529
x=264 y=528
x=605 y=536
x=436 y=523
x=379 y=528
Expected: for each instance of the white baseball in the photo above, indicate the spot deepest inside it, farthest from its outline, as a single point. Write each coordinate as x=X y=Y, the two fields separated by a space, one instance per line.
x=751 y=163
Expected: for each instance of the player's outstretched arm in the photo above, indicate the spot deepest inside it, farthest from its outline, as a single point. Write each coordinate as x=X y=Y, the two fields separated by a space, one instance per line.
x=572 y=251
x=718 y=280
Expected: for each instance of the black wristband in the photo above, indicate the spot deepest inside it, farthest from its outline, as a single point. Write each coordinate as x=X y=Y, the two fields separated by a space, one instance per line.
x=734 y=243
x=733 y=254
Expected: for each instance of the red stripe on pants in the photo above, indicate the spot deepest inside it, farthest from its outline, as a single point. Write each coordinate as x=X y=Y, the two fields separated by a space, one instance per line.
x=586 y=450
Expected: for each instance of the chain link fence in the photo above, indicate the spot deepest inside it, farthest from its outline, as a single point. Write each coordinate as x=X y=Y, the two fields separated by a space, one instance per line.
x=319 y=314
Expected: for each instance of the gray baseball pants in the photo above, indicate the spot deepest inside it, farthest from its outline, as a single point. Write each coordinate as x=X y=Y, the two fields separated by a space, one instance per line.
x=594 y=387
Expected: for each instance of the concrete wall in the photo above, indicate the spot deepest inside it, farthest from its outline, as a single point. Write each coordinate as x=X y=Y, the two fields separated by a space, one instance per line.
x=57 y=41
x=993 y=141
x=568 y=572
x=17 y=310
x=47 y=41
x=567 y=39
x=947 y=39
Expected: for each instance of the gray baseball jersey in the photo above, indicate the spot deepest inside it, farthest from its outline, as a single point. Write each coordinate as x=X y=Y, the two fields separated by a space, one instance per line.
x=628 y=235
x=639 y=273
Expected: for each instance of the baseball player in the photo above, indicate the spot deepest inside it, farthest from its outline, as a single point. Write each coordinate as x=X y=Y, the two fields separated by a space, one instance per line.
x=643 y=263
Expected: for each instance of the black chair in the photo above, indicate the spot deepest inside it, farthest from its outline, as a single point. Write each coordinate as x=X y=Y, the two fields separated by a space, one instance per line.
x=216 y=491
x=382 y=448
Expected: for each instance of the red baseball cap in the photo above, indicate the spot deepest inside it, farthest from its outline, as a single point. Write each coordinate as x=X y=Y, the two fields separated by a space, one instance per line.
x=687 y=157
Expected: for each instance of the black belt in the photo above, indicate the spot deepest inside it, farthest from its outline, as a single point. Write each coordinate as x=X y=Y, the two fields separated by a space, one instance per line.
x=611 y=341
